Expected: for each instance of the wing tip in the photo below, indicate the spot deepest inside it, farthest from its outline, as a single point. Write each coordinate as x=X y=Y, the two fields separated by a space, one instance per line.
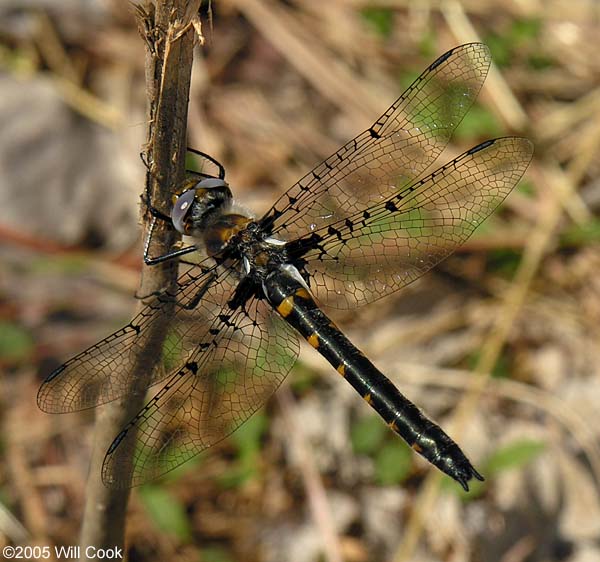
x=526 y=147
x=44 y=394
x=473 y=46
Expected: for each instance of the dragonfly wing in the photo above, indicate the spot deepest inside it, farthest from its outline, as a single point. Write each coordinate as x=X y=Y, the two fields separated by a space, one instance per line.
x=399 y=146
x=106 y=370
x=233 y=371
x=377 y=251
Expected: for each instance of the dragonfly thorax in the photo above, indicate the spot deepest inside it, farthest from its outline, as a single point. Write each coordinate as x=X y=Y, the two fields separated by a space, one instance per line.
x=221 y=228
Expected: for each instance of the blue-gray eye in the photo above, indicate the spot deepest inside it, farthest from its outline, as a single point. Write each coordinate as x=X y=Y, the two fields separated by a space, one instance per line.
x=181 y=209
x=210 y=183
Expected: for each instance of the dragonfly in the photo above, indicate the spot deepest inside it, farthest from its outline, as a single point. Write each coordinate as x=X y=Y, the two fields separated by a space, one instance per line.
x=362 y=224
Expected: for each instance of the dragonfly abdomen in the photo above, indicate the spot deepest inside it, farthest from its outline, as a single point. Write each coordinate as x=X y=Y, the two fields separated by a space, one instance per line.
x=294 y=303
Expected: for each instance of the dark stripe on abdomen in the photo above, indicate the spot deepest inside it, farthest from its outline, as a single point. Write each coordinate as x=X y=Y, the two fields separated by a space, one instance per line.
x=295 y=304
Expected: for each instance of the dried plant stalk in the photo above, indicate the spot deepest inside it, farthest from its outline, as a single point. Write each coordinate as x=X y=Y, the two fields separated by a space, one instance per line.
x=169 y=29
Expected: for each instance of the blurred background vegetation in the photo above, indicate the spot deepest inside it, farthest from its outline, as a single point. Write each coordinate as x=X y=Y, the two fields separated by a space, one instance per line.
x=509 y=327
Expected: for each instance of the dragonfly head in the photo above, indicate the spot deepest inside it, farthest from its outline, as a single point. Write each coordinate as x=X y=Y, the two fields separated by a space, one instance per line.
x=196 y=205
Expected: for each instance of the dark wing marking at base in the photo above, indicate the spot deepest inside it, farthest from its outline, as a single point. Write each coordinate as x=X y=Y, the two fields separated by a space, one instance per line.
x=379 y=250
x=105 y=371
x=401 y=144
x=244 y=358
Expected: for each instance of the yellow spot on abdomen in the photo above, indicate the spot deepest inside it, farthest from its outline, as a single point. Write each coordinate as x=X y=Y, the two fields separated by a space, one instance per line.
x=416 y=447
x=286 y=306
x=342 y=369
x=302 y=293
x=392 y=425
x=313 y=340
x=367 y=398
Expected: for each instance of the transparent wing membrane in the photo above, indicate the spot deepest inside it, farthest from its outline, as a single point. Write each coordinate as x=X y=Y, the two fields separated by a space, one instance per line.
x=401 y=144
x=105 y=371
x=220 y=385
x=377 y=251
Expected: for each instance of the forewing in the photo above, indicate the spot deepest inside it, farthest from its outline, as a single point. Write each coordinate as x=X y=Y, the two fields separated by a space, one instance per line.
x=107 y=370
x=379 y=250
x=401 y=144
x=224 y=381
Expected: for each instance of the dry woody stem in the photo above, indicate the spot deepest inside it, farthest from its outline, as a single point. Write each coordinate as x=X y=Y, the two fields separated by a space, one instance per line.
x=169 y=29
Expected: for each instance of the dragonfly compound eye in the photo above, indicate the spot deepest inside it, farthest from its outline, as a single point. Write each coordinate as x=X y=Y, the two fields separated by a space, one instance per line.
x=195 y=206
x=214 y=192
x=212 y=183
x=182 y=208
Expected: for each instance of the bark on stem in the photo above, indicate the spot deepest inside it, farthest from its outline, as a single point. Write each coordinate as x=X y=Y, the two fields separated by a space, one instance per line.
x=169 y=30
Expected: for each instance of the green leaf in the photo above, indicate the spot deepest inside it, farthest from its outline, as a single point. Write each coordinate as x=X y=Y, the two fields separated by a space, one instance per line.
x=393 y=463
x=237 y=475
x=188 y=466
x=524 y=30
x=540 y=62
x=249 y=435
x=479 y=122
x=501 y=368
x=380 y=20
x=504 y=262
x=367 y=435
x=226 y=379
x=500 y=49
x=427 y=45
x=303 y=378
x=166 y=511
x=145 y=455
x=525 y=187
x=74 y=264
x=582 y=234
x=195 y=162
x=507 y=46
x=515 y=455
x=407 y=77
x=172 y=350
x=247 y=440
x=215 y=554
x=15 y=343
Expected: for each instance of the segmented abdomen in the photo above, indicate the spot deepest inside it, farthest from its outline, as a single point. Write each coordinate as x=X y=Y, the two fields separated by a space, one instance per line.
x=294 y=303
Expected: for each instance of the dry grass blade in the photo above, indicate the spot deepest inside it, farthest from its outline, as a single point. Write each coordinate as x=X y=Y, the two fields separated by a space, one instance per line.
x=324 y=72
x=68 y=79
x=567 y=116
x=463 y=30
x=536 y=398
x=312 y=480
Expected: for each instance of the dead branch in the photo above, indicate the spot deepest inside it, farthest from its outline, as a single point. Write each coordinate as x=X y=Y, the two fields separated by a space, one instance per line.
x=169 y=29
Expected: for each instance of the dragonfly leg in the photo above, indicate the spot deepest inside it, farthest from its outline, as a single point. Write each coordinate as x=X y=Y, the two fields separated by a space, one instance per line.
x=154 y=211
x=170 y=255
x=165 y=295
x=210 y=159
x=146 y=199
